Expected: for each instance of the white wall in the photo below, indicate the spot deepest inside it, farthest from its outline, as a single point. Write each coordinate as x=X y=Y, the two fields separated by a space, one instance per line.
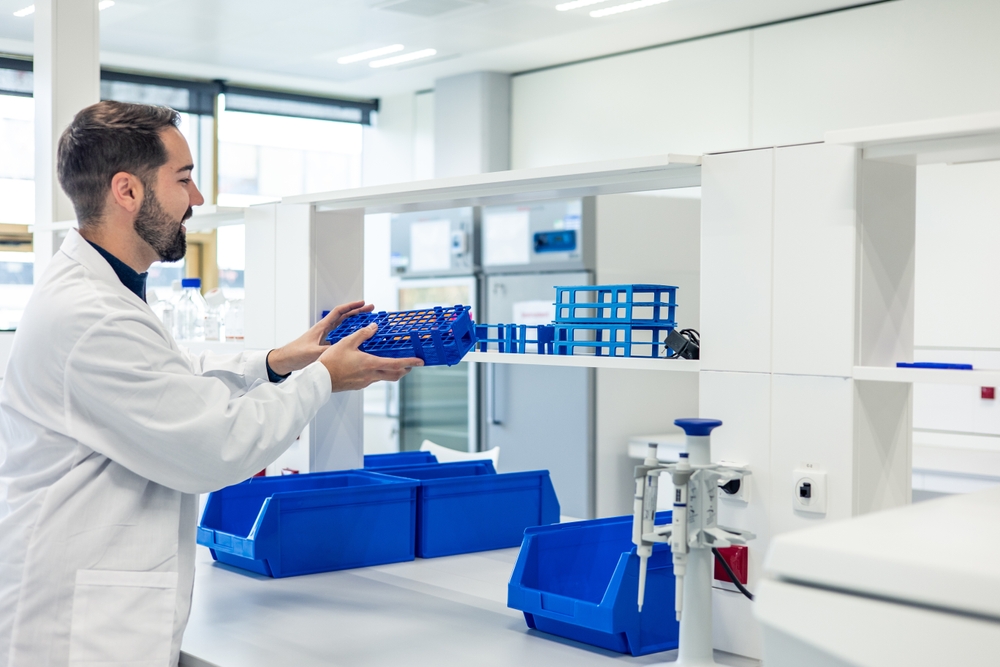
x=789 y=84
x=779 y=85
x=643 y=239
x=692 y=97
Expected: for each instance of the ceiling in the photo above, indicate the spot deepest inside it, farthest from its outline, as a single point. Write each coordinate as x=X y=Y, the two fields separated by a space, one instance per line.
x=295 y=44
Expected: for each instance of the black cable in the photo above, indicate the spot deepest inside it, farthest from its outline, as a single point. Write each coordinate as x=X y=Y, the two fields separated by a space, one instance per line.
x=730 y=574
x=686 y=344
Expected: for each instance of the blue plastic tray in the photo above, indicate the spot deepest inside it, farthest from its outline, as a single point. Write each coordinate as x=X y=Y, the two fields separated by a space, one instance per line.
x=610 y=340
x=396 y=459
x=515 y=338
x=622 y=304
x=581 y=581
x=301 y=524
x=438 y=336
x=466 y=507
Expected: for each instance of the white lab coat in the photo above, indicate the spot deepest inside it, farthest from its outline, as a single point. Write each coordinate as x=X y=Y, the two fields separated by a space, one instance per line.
x=107 y=430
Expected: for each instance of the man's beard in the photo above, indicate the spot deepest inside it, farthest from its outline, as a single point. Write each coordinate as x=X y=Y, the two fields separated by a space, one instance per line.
x=155 y=227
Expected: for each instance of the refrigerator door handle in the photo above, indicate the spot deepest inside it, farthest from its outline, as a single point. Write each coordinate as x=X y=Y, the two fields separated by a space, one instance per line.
x=491 y=395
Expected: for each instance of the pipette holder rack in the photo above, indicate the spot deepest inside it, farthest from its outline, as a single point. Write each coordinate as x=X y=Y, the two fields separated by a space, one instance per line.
x=439 y=336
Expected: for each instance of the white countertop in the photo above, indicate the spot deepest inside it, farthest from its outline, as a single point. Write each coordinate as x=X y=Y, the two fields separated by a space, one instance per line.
x=940 y=553
x=438 y=612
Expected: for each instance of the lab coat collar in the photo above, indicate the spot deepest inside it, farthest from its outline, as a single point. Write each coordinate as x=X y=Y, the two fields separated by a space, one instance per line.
x=77 y=248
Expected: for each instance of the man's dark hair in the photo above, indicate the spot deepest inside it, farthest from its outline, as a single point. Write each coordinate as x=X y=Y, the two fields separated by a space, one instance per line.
x=107 y=138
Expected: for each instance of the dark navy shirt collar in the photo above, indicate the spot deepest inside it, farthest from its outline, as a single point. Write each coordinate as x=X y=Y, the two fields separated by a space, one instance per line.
x=135 y=282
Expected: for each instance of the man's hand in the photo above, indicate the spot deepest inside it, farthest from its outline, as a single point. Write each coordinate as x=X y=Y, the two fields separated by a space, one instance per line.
x=306 y=348
x=350 y=368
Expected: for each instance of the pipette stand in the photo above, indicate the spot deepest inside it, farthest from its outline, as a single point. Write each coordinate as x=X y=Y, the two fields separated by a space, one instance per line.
x=692 y=533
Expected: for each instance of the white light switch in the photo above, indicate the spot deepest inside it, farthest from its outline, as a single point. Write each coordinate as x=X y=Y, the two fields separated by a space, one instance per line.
x=809 y=490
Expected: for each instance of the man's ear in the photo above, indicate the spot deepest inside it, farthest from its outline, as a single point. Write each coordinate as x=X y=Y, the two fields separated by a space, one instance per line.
x=126 y=191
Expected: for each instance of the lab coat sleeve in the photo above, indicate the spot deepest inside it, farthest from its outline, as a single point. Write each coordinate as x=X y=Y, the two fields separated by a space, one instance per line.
x=134 y=399
x=238 y=371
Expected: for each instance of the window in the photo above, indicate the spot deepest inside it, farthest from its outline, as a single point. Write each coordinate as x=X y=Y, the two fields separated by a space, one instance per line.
x=263 y=157
x=271 y=144
x=17 y=189
x=17 y=160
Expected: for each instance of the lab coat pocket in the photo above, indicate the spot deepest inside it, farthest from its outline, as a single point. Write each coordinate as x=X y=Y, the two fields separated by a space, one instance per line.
x=122 y=618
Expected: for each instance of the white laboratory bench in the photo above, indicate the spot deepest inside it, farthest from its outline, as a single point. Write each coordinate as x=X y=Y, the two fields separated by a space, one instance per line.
x=442 y=611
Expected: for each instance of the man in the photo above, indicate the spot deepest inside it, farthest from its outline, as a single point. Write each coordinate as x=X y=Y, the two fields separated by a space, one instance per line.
x=108 y=429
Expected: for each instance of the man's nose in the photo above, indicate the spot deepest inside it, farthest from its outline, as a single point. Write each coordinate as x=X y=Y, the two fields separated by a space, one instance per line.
x=196 y=198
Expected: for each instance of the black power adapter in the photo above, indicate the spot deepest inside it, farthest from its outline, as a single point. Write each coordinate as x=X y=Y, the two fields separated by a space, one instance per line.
x=685 y=344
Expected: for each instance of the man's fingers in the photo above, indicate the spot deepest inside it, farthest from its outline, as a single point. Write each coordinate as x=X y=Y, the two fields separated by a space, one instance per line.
x=334 y=318
x=360 y=336
x=389 y=364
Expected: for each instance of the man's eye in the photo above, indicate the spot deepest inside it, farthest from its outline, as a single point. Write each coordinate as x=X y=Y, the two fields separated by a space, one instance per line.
x=185 y=181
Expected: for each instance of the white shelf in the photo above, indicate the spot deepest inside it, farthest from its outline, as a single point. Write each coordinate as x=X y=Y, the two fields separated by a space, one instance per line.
x=959 y=139
x=582 y=361
x=214 y=346
x=984 y=378
x=53 y=226
x=660 y=172
x=207 y=218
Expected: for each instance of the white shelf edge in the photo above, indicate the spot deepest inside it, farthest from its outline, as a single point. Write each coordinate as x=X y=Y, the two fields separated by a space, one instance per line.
x=52 y=226
x=958 y=139
x=207 y=218
x=581 y=361
x=983 y=378
x=505 y=187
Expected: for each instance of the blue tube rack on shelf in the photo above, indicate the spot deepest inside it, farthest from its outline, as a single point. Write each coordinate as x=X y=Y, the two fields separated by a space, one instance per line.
x=439 y=336
x=612 y=340
x=580 y=581
x=652 y=305
x=614 y=320
x=515 y=338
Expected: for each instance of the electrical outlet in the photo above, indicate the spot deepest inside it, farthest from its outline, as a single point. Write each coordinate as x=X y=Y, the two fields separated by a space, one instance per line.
x=809 y=490
x=737 y=490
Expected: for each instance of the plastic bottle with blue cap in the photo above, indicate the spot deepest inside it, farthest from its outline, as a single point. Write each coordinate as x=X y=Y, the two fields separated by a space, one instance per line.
x=189 y=316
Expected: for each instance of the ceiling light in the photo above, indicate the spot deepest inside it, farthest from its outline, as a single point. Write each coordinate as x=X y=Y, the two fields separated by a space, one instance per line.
x=30 y=9
x=576 y=4
x=627 y=7
x=405 y=58
x=374 y=53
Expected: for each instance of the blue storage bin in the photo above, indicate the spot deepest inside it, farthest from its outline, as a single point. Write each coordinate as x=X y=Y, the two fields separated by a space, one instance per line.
x=466 y=507
x=301 y=524
x=581 y=581
x=399 y=459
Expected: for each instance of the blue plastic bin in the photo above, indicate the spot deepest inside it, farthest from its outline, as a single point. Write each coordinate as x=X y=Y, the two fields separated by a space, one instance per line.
x=301 y=524
x=438 y=336
x=396 y=459
x=581 y=581
x=466 y=507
